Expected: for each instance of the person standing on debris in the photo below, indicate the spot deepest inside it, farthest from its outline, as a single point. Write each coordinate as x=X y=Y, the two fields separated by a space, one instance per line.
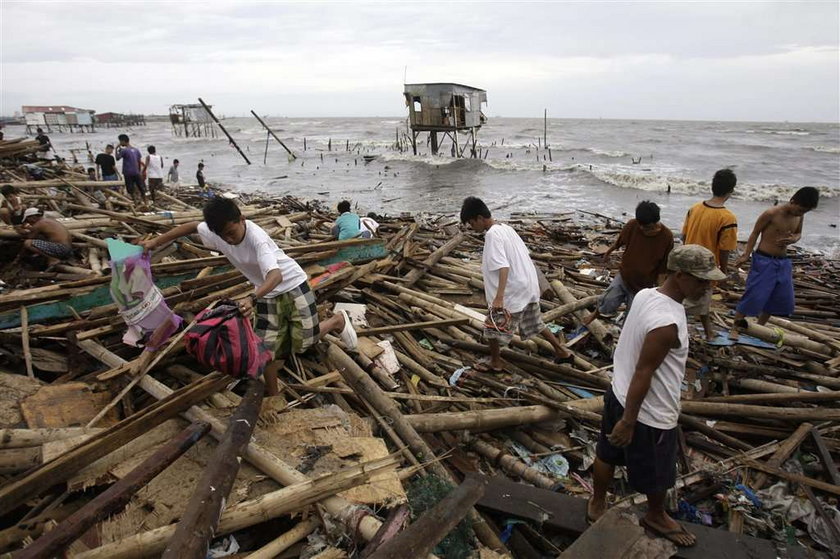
x=132 y=168
x=12 y=208
x=199 y=176
x=44 y=140
x=642 y=406
x=348 y=225
x=172 y=175
x=712 y=225
x=645 y=258
x=286 y=312
x=106 y=165
x=769 y=289
x=153 y=165
x=44 y=236
x=511 y=286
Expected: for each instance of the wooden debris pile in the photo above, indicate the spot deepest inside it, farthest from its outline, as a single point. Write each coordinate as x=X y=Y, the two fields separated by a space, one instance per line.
x=91 y=424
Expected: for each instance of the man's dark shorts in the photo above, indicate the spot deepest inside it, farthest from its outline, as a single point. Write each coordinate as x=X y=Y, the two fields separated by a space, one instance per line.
x=133 y=182
x=651 y=457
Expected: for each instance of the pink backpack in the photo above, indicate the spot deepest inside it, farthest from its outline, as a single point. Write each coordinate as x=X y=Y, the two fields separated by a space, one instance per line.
x=224 y=340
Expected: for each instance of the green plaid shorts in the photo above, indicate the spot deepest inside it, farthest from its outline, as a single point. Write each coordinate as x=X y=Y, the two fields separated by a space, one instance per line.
x=288 y=323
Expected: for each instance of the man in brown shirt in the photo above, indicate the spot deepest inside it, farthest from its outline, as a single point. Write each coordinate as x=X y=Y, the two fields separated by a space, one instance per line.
x=648 y=244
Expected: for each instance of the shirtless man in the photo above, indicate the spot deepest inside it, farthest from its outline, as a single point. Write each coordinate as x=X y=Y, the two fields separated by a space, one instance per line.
x=44 y=236
x=769 y=289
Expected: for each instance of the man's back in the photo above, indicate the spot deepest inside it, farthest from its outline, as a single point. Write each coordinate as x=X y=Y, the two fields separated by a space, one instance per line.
x=645 y=255
x=348 y=225
x=714 y=227
x=504 y=248
x=131 y=160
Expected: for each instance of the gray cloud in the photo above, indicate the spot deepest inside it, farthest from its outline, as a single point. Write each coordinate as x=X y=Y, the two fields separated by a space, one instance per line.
x=727 y=60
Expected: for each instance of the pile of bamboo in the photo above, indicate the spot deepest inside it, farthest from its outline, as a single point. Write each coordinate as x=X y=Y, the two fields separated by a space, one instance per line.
x=746 y=409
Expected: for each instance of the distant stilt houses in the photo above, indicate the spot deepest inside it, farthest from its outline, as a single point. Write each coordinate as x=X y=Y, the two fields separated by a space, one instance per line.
x=119 y=120
x=445 y=108
x=191 y=121
x=58 y=118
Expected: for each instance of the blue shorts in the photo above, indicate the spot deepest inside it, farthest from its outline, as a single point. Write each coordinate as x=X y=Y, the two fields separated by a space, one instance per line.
x=769 y=287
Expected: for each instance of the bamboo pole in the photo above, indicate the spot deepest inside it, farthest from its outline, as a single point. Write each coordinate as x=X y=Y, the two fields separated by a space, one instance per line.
x=595 y=327
x=779 y=337
x=482 y=420
x=411 y=326
x=370 y=391
x=24 y=338
x=698 y=407
x=270 y=131
x=19 y=438
x=567 y=308
x=115 y=498
x=514 y=466
x=415 y=274
x=198 y=522
x=277 y=546
x=229 y=137
x=776 y=398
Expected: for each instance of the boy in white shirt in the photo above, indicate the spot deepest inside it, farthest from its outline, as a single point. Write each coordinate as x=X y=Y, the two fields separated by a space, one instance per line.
x=511 y=287
x=642 y=407
x=286 y=313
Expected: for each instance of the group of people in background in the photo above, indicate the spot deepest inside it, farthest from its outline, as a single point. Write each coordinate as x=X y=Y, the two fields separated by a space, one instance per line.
x=140 y=173
x=659 y=284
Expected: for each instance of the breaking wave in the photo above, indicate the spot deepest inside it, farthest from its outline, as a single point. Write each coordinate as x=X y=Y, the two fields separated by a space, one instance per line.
x=824 y=149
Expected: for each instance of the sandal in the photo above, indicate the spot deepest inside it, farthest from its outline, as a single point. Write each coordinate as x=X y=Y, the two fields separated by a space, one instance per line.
x=669 y=534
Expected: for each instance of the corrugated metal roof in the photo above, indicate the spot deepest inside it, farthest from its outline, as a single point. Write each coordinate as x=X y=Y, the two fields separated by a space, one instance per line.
x=443 y=84
x=53 y=109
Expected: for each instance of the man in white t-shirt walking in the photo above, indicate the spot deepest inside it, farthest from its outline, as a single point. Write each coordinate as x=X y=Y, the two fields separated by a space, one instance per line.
x=642 y=407
x=153 y=167
x=511 y=287
x=286 y=312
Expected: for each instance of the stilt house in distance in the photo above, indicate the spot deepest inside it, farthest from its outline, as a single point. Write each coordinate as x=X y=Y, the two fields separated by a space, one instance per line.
x=57 y=117
x=446 y=108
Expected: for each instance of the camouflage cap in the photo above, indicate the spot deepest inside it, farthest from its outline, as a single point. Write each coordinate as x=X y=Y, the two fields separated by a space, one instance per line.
x=695 y=260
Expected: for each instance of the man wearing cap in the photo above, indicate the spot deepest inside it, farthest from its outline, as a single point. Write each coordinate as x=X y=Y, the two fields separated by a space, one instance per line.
x=44 y=236
x=642 y=407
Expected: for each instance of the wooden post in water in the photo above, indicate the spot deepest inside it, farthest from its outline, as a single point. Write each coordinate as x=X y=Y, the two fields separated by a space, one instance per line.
x=279 y=141
x=229 y=137
x=545 y=128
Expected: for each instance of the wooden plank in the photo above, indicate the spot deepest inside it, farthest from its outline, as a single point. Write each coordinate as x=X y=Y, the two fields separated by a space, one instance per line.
x=568 y=514
x=71 y=404
x=784 y=451
x=617 y=535
x=825 y=455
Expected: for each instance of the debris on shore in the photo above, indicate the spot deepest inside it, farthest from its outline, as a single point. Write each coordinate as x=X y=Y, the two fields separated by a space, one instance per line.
x=360 y=444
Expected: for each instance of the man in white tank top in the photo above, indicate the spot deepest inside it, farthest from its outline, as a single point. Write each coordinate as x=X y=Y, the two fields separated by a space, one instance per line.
x=642 y=407
x=153 y=166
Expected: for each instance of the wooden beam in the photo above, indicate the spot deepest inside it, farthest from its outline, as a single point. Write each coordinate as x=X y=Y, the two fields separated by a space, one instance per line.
x=825 y=455
x=199 y=521
x=784 y=451
x=411 y=326
x=423 y=535
x=417 y=273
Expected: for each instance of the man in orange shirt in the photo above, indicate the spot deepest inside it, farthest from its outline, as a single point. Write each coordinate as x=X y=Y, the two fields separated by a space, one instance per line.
x=710 y=224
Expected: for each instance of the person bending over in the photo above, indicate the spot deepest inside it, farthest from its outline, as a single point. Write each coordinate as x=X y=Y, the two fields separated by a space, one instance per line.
x=284 y=305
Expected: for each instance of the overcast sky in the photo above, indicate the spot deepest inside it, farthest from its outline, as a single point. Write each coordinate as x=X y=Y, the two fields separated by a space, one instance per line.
x=716 y=61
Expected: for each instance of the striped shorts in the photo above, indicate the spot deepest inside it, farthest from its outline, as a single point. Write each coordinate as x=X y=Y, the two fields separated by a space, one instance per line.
x=288 y=323
x=528 y=322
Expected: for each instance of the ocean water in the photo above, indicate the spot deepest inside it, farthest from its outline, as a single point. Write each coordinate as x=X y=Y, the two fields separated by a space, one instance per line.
x=603 y=166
